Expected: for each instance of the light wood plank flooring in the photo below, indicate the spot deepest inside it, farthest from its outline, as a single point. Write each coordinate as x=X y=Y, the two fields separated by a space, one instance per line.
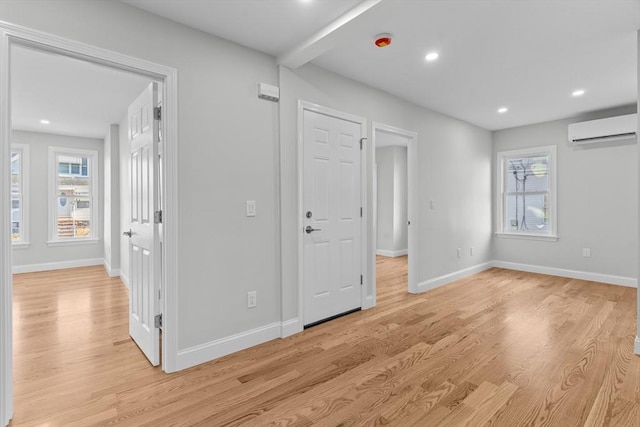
x=502 y=347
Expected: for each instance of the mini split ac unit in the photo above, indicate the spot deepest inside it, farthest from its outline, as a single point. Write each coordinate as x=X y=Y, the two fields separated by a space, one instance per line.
x=604 y=130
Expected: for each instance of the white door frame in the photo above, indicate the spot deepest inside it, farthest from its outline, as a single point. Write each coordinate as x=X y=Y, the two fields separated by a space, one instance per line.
x=412 y=209
x=11 y=34
x=308 y=106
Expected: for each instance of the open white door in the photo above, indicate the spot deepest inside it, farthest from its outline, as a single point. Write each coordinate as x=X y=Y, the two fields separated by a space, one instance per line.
x=332 y=248
x=144 y=242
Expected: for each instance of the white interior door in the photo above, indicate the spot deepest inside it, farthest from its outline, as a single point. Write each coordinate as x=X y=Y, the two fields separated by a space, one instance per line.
x=332 y=216
x=144 y=243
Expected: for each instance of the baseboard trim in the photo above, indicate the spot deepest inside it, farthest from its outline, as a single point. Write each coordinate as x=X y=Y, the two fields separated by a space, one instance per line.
x=637 y=346
x=436 y=282
x=572 y=274
x=110 y=271
x=392 y=254
x=221 y=347
x=61 y=265
x=291 y=327
x=125 y=279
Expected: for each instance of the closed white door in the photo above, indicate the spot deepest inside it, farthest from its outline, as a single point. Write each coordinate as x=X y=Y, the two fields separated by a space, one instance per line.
x=332 y=216
x=144 y=242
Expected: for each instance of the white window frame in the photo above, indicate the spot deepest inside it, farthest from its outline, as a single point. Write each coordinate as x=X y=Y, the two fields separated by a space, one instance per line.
x=94 y=174
x=549 y=150
x=24 y=193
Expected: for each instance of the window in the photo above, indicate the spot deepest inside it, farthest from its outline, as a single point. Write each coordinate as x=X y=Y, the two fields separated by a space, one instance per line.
x=74 y=196
x=19 y=196
x=526 y=193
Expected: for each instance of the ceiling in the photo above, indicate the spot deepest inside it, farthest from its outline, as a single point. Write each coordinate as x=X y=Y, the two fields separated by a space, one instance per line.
x=78 y=98
x=527 y=55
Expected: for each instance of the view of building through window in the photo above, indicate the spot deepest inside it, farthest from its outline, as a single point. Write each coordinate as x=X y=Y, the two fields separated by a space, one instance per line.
x=73 y=196
x=16 y=196
x=526 y=194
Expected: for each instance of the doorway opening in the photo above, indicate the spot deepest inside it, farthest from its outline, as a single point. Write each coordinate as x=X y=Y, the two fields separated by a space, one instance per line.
x=395 y=222
x=79 y=218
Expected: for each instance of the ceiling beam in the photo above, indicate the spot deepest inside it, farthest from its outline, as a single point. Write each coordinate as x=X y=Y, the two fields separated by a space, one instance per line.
x=326 y=38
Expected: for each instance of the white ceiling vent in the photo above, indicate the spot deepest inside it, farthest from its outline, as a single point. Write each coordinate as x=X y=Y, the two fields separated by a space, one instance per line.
x=604 y=130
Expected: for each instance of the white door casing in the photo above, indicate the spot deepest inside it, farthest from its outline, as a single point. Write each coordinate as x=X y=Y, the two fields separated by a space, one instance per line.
x=411 y=139
x=144 y=242
x=11 y=34
x=331 y=206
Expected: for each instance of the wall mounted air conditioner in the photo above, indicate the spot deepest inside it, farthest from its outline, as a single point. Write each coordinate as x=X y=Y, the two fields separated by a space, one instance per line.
x=604 y=130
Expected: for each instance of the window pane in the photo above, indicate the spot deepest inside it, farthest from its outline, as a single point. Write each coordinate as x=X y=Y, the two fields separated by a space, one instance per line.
x=15 y=173
x=527 y=174
x=16 y=232
x=527 y=213
x=73 y=185
x=74 y=217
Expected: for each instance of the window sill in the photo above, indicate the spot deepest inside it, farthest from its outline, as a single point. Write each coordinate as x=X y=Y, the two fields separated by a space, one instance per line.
x=21 y=245
x=73 y=242
x=544 y=238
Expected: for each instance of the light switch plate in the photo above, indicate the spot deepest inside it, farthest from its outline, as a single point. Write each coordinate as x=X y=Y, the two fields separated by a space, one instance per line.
x=251 y=208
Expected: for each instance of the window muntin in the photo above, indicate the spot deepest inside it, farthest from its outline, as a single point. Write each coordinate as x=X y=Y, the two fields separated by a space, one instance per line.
x=527 y=192
x=74 y=198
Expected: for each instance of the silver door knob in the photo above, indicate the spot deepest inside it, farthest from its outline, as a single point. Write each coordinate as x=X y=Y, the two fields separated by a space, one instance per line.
x=310 y=229
x=128 y=233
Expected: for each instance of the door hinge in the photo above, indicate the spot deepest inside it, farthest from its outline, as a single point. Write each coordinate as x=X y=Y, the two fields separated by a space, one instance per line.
x=158 y=321
x=361 y=280
x=157 y=113
x=360 y=211
x=157 y=217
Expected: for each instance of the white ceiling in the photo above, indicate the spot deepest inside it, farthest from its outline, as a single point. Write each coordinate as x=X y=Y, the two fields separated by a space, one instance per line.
x=77 y=97
x=527 y=55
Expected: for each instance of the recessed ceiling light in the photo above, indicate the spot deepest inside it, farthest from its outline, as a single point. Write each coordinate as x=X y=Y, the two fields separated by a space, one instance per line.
x=578 y=92
x=45 y=122
x=431 y=56
x=502 y=110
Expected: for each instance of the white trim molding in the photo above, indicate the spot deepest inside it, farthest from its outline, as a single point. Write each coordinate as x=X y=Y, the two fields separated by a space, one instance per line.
x=111 y=272
x=437 y=282
x=572 y=274
x=207 y=352
x=61 y=265
x=11 y=34
x=412 y=207
x=291 y=327
x=392 y=254
x=637 y=346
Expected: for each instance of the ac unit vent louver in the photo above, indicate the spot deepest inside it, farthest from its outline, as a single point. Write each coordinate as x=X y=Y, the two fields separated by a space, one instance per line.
x=604 y=130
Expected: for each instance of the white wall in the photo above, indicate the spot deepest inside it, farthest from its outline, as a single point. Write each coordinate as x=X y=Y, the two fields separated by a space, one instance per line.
x=38 y=252
x=111 y=197
x=454 y=160
x=392 y=177
x=597 y=202
x=227 y=154
x=385 y=164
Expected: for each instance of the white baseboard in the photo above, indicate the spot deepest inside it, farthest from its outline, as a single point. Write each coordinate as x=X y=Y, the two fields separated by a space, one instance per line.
x=400 y=252
x=291 y=327
x=125 y=279
x=436 y=282
x=637 y=346
x=212 y=350
x=110 y=271
x=573 y=274
x=32 y=268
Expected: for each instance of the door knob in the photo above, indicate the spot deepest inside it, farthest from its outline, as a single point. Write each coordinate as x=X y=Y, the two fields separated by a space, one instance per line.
x=128 y=233
x=310 y=229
